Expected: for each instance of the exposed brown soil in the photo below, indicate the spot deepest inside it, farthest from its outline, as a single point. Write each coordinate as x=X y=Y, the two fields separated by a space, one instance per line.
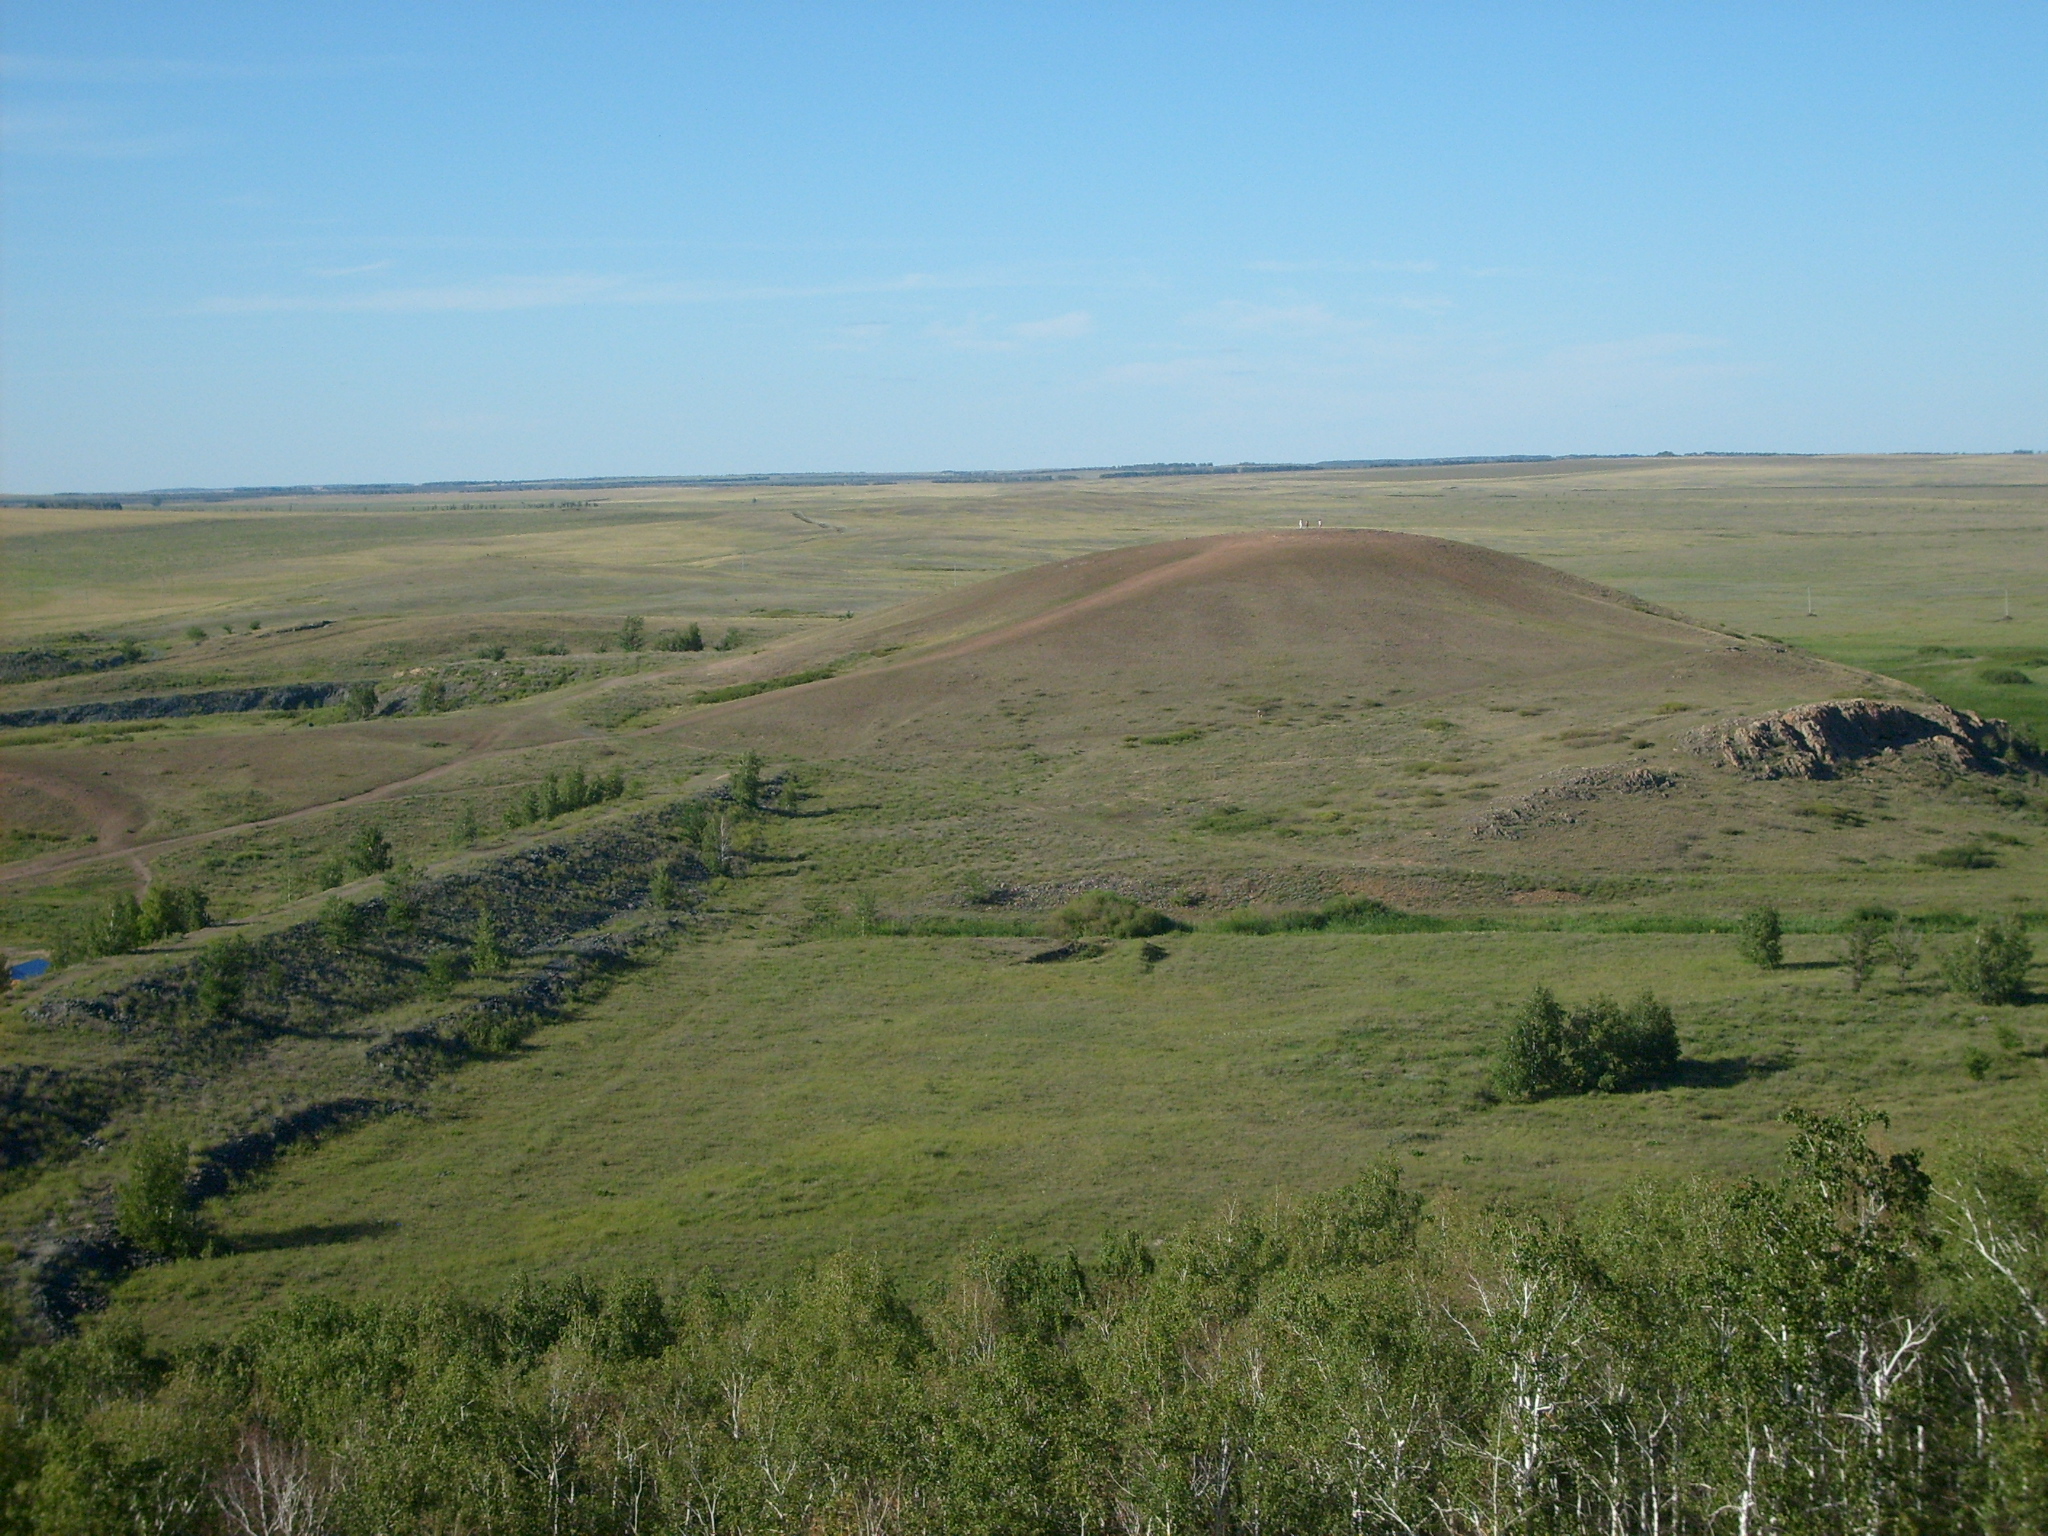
x=1362 y=613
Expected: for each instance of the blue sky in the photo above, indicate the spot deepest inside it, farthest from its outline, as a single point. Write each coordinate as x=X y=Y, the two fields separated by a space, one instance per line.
x=274 y=244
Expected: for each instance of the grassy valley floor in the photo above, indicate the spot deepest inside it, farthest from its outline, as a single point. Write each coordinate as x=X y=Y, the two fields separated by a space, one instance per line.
x=746 y=1106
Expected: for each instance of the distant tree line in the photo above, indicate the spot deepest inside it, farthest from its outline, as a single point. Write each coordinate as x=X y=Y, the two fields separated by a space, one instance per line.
x=1842 y=1350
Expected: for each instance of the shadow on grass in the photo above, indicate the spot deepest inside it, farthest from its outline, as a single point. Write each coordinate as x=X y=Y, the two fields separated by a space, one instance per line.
x=314 y=1235
x=1726 y=1071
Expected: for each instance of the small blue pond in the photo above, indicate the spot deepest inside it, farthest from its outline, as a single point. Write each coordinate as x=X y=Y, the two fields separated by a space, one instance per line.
x=28 y=968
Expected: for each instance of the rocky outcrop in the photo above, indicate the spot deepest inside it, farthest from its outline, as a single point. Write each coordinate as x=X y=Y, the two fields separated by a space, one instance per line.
x=1552 y=804
x=171 y=706
x=1820 y=741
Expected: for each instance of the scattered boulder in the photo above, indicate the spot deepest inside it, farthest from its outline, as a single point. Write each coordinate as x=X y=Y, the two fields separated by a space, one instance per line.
x=1820 y=741
x=1549 y=806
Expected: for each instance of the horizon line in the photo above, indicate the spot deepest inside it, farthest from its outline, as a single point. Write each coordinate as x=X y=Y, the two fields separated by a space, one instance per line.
x=105 y=500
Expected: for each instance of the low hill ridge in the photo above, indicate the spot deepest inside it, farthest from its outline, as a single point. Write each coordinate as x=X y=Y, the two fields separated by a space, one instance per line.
x=1314 y=616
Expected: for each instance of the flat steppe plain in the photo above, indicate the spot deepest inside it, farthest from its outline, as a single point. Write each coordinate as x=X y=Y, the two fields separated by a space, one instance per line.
x=1213 y=729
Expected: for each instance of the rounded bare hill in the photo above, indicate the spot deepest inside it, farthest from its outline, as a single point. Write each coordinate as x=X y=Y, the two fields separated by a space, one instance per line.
x=1122 y=639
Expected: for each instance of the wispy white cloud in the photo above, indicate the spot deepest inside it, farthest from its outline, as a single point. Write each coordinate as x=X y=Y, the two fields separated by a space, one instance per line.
x=1273 y=319
x=72 y=134
x=1058 y=328
x=1175 y=372
x=970 y=335
x=368 y=266
x=1632 y=351
x=1285 y=267
x=858 y=336
x=30 y=68
x=561 y=290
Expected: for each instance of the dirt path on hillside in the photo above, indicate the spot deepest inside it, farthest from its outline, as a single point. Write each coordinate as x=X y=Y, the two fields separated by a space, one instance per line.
x=112 y=813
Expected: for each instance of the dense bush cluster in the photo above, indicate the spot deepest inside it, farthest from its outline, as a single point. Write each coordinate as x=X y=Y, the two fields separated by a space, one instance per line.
x=152 y=1210
x=1105 y=915
x=560 y=793
x=1347 y=914
x=1761 y=938
x=367 y=852
x=124 y=925
x=1837 y=1352
x=1603 y=1047
x=1990 y=965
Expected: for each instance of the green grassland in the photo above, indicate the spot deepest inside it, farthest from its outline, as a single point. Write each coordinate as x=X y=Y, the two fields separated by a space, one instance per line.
x=749 y=1107
x=763 y=1093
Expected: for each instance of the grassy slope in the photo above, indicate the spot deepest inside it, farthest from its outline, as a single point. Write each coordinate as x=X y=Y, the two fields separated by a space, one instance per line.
x=747 y=1106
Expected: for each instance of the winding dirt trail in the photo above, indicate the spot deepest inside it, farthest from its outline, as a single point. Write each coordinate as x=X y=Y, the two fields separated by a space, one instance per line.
x=112 y=813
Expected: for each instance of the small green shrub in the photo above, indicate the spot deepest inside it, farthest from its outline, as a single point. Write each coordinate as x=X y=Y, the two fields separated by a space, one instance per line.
x=1990 y=966
x=465 y=832
x=1864 y=947
x=486 y=951
x=1604 y=1047
x=1835 y=815
x=118 y=928
x=1104 y=914
x=731 y=640
x=169 y=910
x=1347 y=914
x=1902 y=946
x=1761 y=938
x=1124 y=1256
x=341 y=921
x=633 y=633
x=195 y=633
x=867 y=914
x=445 y=969
x=368 y=853
x=1231 y=819
x=360 y=702
x=491 y=653
x=223 y=976
x=153 y=1209
x=1962 y=856
x=401 y=907
x=746 y=781
x=766 y=685
x=2009 y=677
